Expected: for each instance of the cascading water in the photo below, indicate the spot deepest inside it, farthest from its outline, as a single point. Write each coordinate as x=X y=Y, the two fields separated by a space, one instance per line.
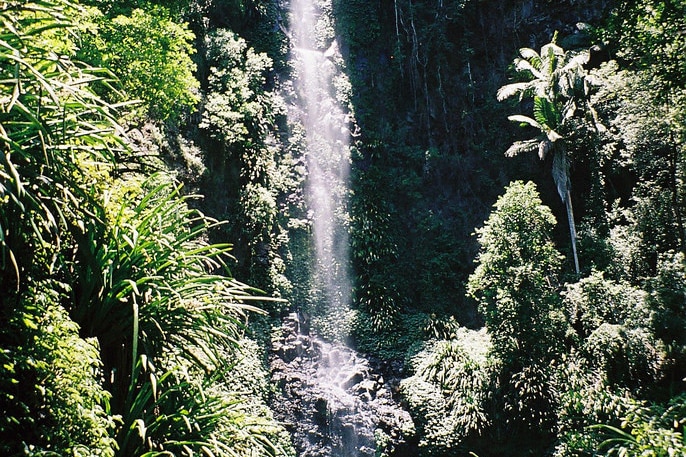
x=327 y=136
x=331 y=400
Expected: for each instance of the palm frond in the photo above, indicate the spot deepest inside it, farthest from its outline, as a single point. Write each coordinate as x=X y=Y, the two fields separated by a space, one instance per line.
x=526 y=120
x=525 y=65
x=546 y=114
x=510 y=90
x=519 y=147
x=532 y=56
x=576 y=62
x=551 y=50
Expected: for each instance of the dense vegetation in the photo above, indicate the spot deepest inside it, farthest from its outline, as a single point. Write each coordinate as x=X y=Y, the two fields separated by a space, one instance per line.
x=517 y=222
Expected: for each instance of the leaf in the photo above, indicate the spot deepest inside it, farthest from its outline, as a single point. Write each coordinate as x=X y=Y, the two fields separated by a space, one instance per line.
x=525 y=120
x=525 y=65
x=531 y=55
x=509 y=90
x=546 y=114
x=139 y=425
x=551 y=50
x=553 y=136
x=519 y=147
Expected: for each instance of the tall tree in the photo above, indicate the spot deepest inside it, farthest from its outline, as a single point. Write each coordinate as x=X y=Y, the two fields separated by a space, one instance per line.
x=556 y=80
x=515 y=285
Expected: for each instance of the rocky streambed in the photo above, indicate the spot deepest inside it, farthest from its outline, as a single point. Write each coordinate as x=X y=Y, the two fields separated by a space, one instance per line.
x=334 y=401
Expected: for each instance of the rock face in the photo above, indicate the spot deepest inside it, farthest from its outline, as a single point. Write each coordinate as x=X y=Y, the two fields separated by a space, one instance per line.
x=331 y=400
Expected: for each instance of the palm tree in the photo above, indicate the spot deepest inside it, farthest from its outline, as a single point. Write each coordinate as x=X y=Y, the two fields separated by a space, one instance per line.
x=557 y=83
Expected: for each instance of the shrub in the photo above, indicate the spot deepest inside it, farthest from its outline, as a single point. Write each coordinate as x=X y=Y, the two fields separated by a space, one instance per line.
x=51 y=396
x=151 y=55
x=447 y=393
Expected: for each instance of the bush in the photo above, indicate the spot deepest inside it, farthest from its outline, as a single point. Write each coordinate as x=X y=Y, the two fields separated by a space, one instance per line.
x=50 y=393
x=595 y=300
x=447 y=393
x=648 y=430
x=628 y=357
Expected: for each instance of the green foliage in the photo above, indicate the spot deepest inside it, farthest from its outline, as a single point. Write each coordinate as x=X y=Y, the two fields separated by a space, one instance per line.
x=655 y=431
x=253 y=426
x=51 y=396
x=374 y=252
x=151 y=55
x=139 y=273
x=612 y=322
x=239 y=115
x=628 y=356
x=646 y=138
x=153 y=284
x=515 y=278
x=595 y=300
x=113 y=8
x=647 y=34
x=668 y=289
x=235 y=112
x=448 y=390
x=585 y=400
x=222 y=413
x=515 y=286
x=52 y=121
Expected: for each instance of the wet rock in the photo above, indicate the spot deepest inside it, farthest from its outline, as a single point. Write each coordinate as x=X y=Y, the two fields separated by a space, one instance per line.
x=333 y=401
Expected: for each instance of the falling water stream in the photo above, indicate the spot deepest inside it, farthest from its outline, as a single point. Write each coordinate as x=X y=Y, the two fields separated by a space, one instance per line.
x=327 y=136
x=332 y=401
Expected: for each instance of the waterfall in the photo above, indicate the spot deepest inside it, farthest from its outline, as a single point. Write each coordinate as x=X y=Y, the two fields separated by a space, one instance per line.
x=331 y=399
x=318 y=83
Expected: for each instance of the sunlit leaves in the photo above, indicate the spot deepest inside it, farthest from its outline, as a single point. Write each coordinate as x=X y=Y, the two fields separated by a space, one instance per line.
x=515 y=286
x=151 y=55
x=50 y=391
x=649 y=35
x=51 y=120
x=447 y=393
x=237 y=103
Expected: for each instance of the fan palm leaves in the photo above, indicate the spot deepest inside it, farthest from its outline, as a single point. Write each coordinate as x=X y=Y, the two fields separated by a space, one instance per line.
x=557 y=84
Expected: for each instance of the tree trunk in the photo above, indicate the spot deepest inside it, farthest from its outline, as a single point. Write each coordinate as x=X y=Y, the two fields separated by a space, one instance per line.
x=572 y=228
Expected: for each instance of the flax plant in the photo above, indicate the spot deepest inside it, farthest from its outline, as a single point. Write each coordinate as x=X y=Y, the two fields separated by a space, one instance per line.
x=144 y=280
x=49 y=121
